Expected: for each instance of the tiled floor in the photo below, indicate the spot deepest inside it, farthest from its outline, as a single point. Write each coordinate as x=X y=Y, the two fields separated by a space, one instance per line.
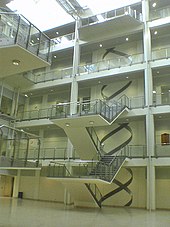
x=27 y=213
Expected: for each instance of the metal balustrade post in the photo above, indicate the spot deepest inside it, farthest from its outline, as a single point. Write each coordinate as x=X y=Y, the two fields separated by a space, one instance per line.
x=26 y=153
x=16 y=37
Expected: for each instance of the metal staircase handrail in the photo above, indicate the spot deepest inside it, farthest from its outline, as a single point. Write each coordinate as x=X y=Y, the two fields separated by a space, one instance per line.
x=94 y=192
x=116 y=156
x=96 y=142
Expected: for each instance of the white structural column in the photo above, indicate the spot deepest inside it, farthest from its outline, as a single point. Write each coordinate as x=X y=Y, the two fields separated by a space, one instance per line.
x=15 y=100
x=41 y=135
x=150 y=138
x=37 y=184
x=76 y=59
x=1 y=92
x=16 y=184
x=74 y=98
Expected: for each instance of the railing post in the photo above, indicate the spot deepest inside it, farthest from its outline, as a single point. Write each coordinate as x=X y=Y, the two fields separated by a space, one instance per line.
x=26 y=154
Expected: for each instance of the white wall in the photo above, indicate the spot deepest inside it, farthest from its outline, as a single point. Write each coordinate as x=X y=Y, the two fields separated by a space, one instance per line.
x=49 y=190
x=162 y=187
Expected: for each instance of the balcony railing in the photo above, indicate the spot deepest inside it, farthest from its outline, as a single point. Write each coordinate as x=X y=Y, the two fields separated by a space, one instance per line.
x=116 y=62
x=83 y=108
x=162 y=53
x=17 y=146
x=91 y=107
x=111 y=15
x=136 y=102
x=162 y=150
x=34 y=114
x=160 y=13
x=15 y=29
x=160 y=99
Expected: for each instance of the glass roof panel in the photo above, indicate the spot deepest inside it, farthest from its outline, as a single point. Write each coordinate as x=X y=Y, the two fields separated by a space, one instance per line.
x=44 y=14
x=47 y=14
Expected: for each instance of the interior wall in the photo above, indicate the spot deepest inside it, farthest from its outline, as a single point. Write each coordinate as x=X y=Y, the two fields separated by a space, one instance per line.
x=130 y=48
x=49 y=190
x=53 y=190
x=162 y=187
x=138 y=129
x=135 y=89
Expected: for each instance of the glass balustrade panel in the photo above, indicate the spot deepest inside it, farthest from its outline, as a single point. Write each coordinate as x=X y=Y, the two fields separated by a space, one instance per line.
x=23 y=32
x=44 y=47
x=34 y=40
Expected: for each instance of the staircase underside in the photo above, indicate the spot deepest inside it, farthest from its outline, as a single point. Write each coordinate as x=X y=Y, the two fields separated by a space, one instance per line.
x=85 y=121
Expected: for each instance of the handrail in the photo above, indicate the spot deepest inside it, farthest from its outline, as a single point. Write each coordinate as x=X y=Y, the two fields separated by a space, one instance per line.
x=62 y=164
x=96 y=141
x=19 y=130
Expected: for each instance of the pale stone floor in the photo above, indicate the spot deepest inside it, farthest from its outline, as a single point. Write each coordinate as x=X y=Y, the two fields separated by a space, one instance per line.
x=28 y=213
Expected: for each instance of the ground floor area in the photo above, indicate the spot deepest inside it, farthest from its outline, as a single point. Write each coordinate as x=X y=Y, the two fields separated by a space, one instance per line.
x=26 y=213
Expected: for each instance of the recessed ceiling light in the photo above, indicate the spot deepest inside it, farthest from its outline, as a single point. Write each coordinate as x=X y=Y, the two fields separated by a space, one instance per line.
x=91 y=122
x=154 y=5
x=55 y=56
x=154 y=92
x=127 y=39
x=100 y=45
x=57 y=33
x=67 y=124
x=16 y=62
x=127 y=77
x=26 y=95
x=155 y=32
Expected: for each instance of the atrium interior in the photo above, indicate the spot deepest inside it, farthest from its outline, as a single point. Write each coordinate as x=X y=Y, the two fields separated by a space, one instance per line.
x=84 y=106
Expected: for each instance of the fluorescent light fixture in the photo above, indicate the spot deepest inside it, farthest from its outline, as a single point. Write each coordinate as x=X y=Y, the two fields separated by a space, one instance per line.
x=44 y=14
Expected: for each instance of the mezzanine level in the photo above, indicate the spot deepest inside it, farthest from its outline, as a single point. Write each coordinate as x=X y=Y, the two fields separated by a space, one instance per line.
x=104 y=68
x=21 y=43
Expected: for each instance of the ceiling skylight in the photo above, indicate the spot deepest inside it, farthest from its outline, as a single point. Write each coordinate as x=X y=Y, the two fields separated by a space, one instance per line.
x=47 y=14
x=44 y=14
x=100 y=6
